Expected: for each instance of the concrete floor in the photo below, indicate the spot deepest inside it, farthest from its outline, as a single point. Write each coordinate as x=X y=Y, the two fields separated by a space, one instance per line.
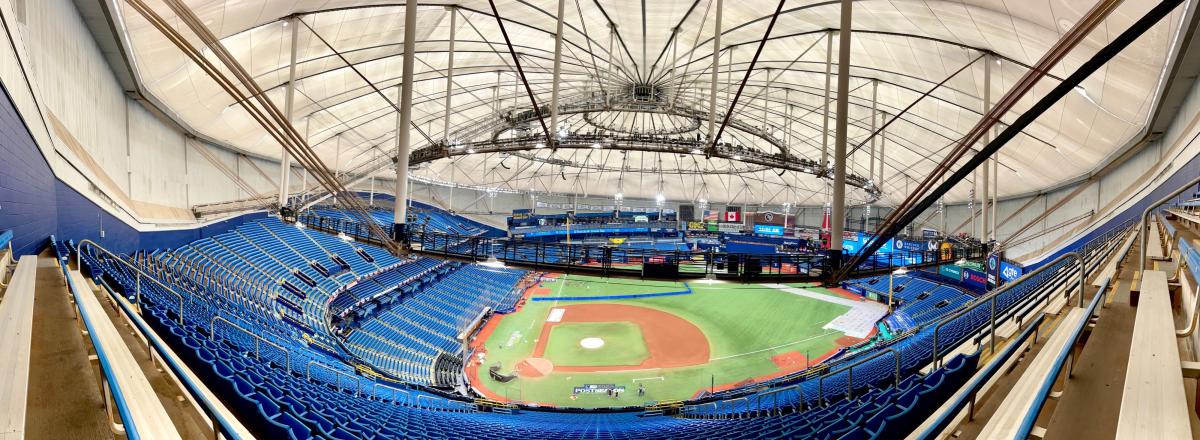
x=65 y=400
x=64 y=395
x=1090 y=404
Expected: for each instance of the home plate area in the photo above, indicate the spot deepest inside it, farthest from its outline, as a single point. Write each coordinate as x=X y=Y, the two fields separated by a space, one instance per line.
x=858 y=322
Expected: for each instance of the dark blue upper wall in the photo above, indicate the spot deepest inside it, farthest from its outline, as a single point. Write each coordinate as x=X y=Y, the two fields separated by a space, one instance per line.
x=35 y=204
x=28 y=198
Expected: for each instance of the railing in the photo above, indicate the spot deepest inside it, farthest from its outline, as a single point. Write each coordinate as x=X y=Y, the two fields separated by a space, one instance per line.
x=990 y=300
x=608 y=260
x=159 y=346
x=220 y=424
x=139 y=271
x=849 y=369
x=1142 y=259
x=258 y=340
x=337 y=374
x=979 y=380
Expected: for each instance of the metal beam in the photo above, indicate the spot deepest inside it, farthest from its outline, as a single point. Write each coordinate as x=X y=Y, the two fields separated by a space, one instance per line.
x=825 y=119
x=520 y=72
x=285 y=159
x=1094 y=63
x=403 y=120
x=449 y=75
x=749 y=71
x=838 y=215
x=716 y=63
x=554 y=85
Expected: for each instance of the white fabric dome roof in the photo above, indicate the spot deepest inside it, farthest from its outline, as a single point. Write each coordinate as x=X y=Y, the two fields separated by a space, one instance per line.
x=907 y=46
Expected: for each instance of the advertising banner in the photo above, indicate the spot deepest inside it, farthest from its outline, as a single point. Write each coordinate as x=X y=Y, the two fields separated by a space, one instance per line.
x=768 y=218
x=768 y=230
x=974 y=278
x=951 y=271
x=1010 y=271
x=729 y=227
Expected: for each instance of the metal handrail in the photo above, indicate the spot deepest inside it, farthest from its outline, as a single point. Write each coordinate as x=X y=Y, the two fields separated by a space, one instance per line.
x=1142 y=260
x=94 y=245
x=849 y=369
x=977 y=382
x=990 y=299
x=212 y=334
x=338 y=377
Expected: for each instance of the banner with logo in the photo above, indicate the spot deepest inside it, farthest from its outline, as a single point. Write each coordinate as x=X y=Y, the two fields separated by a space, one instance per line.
x=695 y=226
x=974 y=278
x=521 y=214
x=1010 y=271
x=993 y=266
x=616 y=240
x=951 y=271
x=768 y=229
x=768 y=218
x=729 y=227
x=855 y=288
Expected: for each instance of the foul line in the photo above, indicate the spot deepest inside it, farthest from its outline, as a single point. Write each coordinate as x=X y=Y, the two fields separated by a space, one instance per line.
x=629 y=296
x=773 y=348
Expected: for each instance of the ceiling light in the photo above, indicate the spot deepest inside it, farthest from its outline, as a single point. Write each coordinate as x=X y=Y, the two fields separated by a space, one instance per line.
x=596 y=145
x=737 y=157
x=696 y=151
x=471 y=151
x=618 y=196
x=660 y=197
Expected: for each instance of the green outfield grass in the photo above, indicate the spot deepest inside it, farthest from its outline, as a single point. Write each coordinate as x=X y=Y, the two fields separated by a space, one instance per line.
x=623 y=344
x=746 y=325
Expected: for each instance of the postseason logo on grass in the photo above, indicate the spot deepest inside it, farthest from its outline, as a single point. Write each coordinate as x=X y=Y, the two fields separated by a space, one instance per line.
x=599 y=388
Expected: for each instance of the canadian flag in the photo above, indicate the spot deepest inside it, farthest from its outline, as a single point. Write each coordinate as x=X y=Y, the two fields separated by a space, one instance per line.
x=732 y=216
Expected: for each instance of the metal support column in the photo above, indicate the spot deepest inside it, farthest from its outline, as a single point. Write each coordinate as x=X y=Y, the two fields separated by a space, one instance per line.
x=987 y=137
x=839 y=145
x=449 y=75
x=554 y=85
x=285 y=159
x=874 y=107
x=403 y=120
x=825 y=118
x=716 y=64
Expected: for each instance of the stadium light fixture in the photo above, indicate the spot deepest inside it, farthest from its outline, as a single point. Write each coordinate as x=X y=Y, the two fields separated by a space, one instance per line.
x=470 y=151
x=539 y=145
x=737 y=157
x=660 y=198
x=596 y=145
x=618 y=196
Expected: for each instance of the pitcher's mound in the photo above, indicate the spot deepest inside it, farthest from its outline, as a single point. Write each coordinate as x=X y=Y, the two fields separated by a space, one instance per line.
x=534 y=367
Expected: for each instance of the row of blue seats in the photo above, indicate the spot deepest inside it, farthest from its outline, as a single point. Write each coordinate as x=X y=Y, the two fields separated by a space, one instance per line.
x=413 y=329
x=280 y=402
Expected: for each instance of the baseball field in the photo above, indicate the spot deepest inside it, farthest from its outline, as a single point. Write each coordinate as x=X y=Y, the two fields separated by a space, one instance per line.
x=591 y=342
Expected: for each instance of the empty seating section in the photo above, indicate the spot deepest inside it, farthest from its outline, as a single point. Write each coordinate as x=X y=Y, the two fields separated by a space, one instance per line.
x=273 y=268
x=407 y=329
x=434 y=219
x=284 y=385
x=918 y=301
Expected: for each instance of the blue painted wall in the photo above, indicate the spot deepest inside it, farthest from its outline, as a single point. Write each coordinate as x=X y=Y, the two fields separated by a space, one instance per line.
x=35 y=204
x=28 y=197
